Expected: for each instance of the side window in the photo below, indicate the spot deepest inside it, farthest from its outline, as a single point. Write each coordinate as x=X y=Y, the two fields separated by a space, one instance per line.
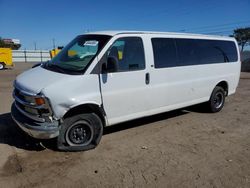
x=215 y=51
x=129 y=53
x=188 y=52
x=227 y=49
x=183 y=52
x=209 y=52
x=164 y=52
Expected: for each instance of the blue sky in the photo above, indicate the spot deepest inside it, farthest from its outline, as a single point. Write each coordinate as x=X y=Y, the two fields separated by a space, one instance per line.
x=42 y=20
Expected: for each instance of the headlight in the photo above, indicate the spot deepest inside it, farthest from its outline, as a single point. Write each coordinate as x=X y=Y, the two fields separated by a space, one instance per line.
x=39 y=101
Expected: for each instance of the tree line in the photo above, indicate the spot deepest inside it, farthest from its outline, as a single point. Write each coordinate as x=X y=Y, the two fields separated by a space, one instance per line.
x=242 y=35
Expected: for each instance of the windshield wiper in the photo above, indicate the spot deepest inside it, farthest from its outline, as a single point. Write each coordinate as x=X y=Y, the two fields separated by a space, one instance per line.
x=52 y=66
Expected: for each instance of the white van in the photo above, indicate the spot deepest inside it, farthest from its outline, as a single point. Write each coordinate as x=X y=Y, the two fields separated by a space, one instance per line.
x=105 y=78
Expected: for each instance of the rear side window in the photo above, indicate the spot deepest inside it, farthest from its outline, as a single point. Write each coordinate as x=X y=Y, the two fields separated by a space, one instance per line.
x=129 y=53
x=164 y=52
x=209 y=52
x=228 y=49
x=215 y=51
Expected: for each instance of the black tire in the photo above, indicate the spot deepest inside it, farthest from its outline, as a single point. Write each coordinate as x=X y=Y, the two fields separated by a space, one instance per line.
x=80 y=132
x=2 y=66
x=217 y=99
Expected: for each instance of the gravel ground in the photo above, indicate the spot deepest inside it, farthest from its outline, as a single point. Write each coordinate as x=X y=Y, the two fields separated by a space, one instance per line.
x=183 y=148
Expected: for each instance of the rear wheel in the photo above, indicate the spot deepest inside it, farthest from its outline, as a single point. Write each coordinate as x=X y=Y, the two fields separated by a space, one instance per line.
x=2 y=66
x=80 y=132
x=217 y=99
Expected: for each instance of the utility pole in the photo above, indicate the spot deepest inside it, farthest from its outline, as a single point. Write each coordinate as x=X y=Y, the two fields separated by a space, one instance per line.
x=35 y=45
x=54 y=44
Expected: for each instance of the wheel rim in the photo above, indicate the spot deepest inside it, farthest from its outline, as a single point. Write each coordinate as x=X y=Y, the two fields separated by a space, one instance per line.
x=1 y=66
x=79 y=134
x=218 y=100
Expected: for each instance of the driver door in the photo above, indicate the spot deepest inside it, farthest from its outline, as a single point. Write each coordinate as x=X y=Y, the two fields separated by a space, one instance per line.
x=124 y=90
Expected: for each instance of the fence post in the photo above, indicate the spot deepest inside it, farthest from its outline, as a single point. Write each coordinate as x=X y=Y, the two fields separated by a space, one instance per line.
x=41 y=55
x=25 y=58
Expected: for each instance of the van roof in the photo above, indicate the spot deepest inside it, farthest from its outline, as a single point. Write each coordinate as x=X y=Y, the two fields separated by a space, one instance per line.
x=113 y=33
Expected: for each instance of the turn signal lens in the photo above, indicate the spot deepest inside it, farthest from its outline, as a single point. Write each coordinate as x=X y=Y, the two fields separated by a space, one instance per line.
x=40 y=101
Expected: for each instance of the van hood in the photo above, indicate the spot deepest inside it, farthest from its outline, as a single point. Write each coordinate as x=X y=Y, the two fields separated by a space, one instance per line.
x=36 y=79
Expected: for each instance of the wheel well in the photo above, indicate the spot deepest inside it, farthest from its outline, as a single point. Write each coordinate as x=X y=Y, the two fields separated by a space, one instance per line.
x=87 y=108
x=224 y=85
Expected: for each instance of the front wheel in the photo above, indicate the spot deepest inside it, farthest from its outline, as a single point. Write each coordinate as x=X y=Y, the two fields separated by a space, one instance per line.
x=217 y=99
x=80 y=132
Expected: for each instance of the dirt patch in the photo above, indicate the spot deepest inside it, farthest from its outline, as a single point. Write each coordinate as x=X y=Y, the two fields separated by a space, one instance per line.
x=12 y=166
x=183 y=148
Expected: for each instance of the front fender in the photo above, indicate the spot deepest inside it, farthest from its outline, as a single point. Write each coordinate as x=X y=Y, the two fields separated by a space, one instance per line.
x=73 y=92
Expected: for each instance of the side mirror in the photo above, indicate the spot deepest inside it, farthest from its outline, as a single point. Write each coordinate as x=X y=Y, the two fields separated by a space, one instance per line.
x=111 y=65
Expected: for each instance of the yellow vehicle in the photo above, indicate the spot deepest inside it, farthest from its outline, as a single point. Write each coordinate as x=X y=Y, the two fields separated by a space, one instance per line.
x=5 y=58
x=54 y=52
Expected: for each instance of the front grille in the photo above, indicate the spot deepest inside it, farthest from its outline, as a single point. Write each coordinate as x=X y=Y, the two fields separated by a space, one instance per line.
x=30 y=110
x=26 y=104
x=23 y=97
x=18 y=94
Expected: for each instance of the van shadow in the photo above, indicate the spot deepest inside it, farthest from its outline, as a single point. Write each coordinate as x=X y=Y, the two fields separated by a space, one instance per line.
x=143 y=121
x=12 y=135
x=198 y=108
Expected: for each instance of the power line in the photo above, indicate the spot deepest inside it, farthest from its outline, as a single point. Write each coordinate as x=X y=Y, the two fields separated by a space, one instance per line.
x=218 y=25
x=221 y=28
x=204 y=6
x=220 y=32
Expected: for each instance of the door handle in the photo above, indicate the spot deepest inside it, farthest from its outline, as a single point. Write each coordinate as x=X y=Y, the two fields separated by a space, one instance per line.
x=147 y=78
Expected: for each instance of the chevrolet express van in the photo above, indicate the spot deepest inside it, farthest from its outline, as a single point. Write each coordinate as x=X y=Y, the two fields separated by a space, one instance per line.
x=105 y=78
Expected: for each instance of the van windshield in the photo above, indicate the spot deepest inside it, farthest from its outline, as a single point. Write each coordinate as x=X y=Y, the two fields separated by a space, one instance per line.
x=78 y=54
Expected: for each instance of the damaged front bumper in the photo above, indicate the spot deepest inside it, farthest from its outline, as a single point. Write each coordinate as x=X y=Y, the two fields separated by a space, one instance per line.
x=36 y=129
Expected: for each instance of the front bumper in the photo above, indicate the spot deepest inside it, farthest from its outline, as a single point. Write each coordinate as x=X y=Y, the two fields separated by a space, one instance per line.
x=40 y=130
